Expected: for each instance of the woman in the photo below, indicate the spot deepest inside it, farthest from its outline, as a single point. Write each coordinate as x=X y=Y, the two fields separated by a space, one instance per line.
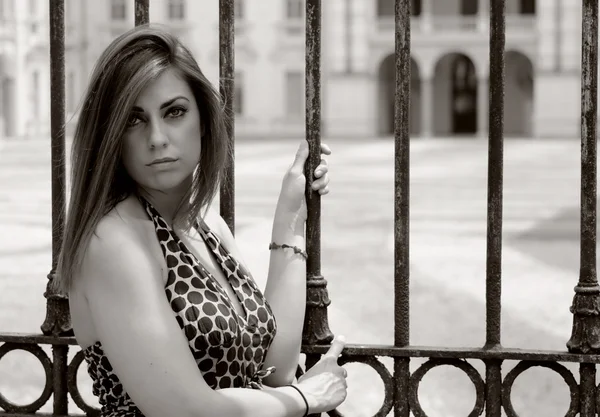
x=170 y=321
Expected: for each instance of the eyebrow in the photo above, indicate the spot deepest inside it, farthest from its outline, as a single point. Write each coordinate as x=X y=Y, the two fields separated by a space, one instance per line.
x=162 y=106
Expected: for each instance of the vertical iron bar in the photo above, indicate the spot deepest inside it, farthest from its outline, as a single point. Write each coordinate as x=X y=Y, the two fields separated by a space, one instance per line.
x=493 y=282
x=142 y=12
x=227 y=90
x=495 y=173
x=58 y=320
x=585 y=335
x=60 y=376
x=587 y=389
x=316 y=323
x=401 y=203
x=497 y=41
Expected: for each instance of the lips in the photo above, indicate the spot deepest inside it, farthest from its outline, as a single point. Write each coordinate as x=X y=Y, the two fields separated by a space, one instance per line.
x=162 y=161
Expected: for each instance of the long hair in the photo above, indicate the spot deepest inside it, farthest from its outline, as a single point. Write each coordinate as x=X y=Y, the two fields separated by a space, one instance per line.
x=98 y=178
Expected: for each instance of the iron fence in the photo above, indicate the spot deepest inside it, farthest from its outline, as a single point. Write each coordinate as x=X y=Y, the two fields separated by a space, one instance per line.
x=493 y=393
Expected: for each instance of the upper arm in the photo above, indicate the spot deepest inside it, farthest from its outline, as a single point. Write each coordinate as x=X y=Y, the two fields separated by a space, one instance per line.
x=137 y=328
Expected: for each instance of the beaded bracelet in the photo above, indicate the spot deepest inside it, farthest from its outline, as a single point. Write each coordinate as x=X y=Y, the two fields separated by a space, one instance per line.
x=296 y=249
x=303 y=397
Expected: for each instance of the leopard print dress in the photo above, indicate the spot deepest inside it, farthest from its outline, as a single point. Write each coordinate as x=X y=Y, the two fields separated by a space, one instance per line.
x=229 y=348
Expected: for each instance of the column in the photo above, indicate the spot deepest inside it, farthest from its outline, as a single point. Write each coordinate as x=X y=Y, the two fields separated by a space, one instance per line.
x=427 y=101
x=425 y=18
x=2 y=112
x=482 y=105
x=484 y=15
x=21 y=87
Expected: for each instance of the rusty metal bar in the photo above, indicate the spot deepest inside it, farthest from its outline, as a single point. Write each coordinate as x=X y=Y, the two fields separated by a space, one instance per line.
x=377 y=350
x=497 y=41
x=227 y=90
x=495 y=173
x=60 y=392
x=585 y=335
x=58 y=320
x=587 y=389
x=401 y=204
x=142 y=12
x=316 y=323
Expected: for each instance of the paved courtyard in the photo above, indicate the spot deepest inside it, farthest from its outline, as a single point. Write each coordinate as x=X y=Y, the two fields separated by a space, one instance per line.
x=447 y=249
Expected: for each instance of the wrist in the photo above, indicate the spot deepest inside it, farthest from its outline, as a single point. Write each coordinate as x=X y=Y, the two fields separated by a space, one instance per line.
x=303 y=399
x=287 y=224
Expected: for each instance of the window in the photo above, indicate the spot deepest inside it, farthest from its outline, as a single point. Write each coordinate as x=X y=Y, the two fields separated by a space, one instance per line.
x=294 y=94
x=527 y=6
x=176 y=9
x=386 y=8
x=238 y=99
x=469 y=7
x=35 y=95
x=294 y=9
x=33 y=11
x=416 y=7
x=238 y=9
x=118 y=10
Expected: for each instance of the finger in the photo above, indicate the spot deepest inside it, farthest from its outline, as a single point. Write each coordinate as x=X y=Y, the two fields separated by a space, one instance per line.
x=321 y=170
x=325 y=149
x=336 y=348
x=320 y=183
x=324 y=191
x=301 y=156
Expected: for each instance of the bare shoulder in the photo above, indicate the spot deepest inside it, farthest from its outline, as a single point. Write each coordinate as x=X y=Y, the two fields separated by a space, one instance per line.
x=114 y=245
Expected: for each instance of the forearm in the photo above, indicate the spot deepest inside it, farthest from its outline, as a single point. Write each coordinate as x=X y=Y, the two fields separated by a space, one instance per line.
x=269 y=402
x=286 y=293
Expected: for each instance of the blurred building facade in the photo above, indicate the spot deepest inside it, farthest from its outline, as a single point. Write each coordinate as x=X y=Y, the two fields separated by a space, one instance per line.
x=449 y=75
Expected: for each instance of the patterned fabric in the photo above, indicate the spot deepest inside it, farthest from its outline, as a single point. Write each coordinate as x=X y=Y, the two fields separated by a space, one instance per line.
x=229 y=349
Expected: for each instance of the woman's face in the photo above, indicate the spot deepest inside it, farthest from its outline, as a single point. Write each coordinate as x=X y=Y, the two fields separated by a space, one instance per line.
x=161 y=146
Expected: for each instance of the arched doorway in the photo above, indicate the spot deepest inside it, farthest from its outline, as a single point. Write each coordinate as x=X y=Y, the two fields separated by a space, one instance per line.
x=386 y=93
x=464 y=95
x=469 y=7
x=527 y=7
x=455 y=90
x=518 y=95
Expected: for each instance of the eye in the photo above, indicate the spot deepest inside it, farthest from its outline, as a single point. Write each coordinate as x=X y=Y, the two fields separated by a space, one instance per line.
x=177 y=111
x=133 y=120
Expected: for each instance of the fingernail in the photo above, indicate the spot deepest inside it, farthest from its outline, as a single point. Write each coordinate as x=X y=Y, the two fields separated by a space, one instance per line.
x=319 y=172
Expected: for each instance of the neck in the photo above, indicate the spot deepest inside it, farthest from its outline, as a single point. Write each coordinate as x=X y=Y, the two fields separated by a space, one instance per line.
x=165 y=202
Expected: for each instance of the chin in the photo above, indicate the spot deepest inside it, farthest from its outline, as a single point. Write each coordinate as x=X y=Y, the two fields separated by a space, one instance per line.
x=169 y=183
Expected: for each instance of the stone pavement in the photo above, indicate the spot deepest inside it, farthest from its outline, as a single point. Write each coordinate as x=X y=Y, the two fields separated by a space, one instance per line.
x=447 y=249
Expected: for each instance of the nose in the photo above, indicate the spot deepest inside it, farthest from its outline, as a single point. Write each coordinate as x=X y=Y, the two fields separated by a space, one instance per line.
x=158 y=138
